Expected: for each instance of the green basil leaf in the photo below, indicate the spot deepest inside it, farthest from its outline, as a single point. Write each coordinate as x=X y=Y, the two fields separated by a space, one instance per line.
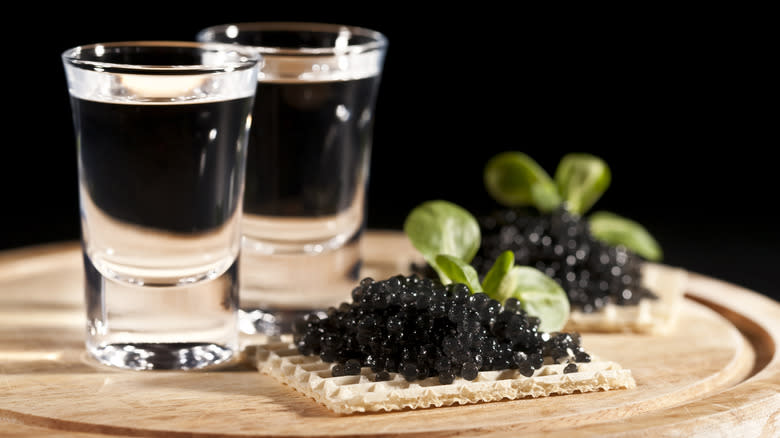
x=441 y=227
x=510 y=178
x=581 y=180
x=458 y=271
x=545 y=195
x=617 y=230
x=540 y=296
x=495 y=278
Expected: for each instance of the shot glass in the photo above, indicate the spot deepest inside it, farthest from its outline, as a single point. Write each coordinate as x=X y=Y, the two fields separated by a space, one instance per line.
x=307 y=167
x=161 y=134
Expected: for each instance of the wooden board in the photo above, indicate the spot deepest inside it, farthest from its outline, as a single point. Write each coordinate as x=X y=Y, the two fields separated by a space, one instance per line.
x=718 y=373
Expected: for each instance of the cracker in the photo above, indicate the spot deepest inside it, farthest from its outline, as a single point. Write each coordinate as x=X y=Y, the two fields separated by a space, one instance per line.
x=649 y=316
x=360 y=393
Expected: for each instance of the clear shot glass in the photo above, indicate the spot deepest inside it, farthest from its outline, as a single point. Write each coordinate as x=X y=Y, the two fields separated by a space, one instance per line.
x=161 y=134
x=307 y=167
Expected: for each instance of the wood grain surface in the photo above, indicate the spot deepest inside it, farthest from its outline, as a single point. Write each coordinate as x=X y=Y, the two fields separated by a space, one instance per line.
x=717 y=374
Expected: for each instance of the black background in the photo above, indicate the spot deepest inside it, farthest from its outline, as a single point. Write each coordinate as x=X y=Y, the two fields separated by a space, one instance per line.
x=675 y=101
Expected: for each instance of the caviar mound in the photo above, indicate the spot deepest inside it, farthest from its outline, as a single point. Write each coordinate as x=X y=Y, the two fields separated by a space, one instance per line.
x=560 y=244
x=419 y=328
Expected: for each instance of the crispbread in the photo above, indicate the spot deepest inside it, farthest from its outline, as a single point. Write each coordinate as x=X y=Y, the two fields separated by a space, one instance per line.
x=360 y=393
x=649 y=316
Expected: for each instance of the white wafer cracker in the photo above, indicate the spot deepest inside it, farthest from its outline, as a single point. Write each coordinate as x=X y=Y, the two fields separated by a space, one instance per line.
x=649 y=316
x=360 y=393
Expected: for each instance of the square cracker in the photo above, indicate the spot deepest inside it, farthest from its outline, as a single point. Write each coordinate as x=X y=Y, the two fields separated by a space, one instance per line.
x=655 y=317
x=360 y=393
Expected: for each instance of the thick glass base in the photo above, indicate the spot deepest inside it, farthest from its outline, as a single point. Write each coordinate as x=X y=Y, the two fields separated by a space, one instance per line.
x=278 y=288
x=174 y=356
x=272 y=322
x=175 y=327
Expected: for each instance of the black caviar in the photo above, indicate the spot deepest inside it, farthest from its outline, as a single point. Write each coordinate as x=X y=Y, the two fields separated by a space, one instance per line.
x=560 y=244
x=419 y=328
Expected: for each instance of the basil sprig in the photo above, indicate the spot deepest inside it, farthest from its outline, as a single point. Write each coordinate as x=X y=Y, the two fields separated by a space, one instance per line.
x=618 y=230
x=514 y=179
x=444 y=234
x=442 y=228
x=581 y=180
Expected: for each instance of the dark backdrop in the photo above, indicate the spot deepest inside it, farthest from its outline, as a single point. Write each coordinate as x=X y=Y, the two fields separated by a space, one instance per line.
x=674 y=101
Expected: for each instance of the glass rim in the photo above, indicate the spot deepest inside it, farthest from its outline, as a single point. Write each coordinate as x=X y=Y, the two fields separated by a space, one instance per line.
x=378 y=40
x=245 y=59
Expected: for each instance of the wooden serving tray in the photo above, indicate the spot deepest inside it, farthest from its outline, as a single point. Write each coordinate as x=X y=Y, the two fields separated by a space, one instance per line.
x=717 y=374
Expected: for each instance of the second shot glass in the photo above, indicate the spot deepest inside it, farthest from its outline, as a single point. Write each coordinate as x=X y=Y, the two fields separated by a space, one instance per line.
x=308 y=165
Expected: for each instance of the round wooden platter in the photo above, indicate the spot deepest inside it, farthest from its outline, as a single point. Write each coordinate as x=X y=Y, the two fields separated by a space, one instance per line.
x=718 y=373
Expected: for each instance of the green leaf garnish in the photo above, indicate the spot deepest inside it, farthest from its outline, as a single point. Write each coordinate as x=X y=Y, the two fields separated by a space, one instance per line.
x=540 y=296
x=441 y=227
x=617 y=230
x=581 y=180
x=545 y=195
x=511 y=177
x=493 y=280
x=459 y=271
x=448 y=237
